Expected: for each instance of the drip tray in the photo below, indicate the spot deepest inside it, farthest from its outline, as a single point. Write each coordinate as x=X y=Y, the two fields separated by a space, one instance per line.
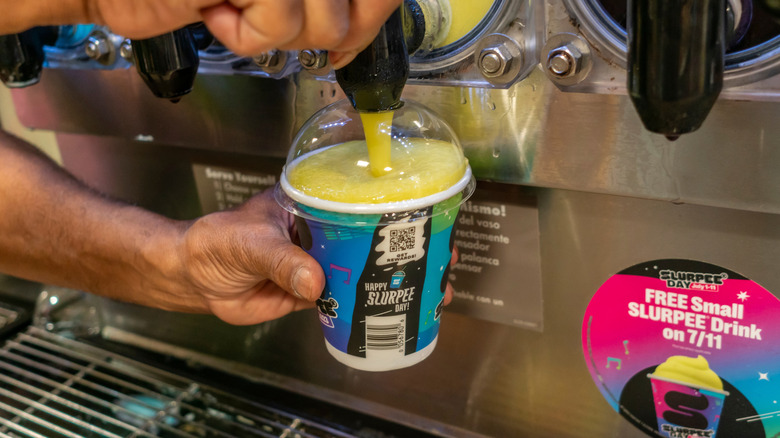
x=52 y=386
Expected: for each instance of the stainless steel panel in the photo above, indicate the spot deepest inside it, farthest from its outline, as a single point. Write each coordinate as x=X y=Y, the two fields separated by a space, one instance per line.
x=530 y=134
x=255 y=117
x=484 y=378
x=610 y=195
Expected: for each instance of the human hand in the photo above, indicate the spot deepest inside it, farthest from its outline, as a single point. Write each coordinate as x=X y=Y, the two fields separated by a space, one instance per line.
x=243 y=267
x=251 y=27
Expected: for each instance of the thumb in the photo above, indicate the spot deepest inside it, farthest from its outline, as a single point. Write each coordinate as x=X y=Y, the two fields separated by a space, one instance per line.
x=297 y=272
x=271 y=253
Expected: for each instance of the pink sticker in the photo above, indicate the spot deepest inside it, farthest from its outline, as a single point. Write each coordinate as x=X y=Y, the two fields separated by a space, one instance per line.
x=683 y=348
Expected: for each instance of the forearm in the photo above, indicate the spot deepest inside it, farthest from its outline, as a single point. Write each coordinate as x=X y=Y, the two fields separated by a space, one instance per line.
x=55 y=230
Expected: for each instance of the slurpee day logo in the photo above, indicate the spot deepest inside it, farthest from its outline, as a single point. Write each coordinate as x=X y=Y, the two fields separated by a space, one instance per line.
x=693 y=280
x=683 y=348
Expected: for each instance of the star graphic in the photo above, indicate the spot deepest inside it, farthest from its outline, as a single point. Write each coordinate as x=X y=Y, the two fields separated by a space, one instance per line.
x=763 y=376
x=743 y=295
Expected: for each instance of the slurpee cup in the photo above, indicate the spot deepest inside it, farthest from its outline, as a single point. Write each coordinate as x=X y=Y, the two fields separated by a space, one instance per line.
x=384 y=242
x=397 y=279
x=688 y=397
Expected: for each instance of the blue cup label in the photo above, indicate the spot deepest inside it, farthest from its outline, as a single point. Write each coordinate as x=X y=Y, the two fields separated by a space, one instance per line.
x=385 y=281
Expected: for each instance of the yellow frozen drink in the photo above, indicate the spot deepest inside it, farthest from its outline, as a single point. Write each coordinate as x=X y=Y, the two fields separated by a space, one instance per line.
x=341 y=173
x=694 y=371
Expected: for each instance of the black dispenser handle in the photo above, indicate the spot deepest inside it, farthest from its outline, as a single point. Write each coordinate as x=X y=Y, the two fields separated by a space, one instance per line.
x=676 y=52
x=22 y=55
x=374 y=80
x=167 y=63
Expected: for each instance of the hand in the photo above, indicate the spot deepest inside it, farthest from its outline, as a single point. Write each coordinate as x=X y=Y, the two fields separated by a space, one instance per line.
x=251 y=27
x=243 y=266
x=239 y=264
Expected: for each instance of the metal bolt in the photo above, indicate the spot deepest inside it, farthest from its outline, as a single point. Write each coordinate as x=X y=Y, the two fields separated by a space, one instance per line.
x=126 y=50
x=268 y=59
x=312 y=59
x=97 y=48
x=494 y=61
x=491 y=63
x=564 y=61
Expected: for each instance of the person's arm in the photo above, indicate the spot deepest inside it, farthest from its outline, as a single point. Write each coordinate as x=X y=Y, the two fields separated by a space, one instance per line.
x=247 y=27
x=238 y=264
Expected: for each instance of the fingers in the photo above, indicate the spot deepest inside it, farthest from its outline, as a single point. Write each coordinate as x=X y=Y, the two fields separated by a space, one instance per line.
x=366 y=17
x=140 y=19
x=296 y=272
x=230 y=254
x=277 y=258
x=325 y=25
x=449 y=293
x=251 y=27
x=264 y=304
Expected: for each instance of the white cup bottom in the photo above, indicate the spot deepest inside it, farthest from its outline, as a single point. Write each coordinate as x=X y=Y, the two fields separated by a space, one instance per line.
x=364 y=364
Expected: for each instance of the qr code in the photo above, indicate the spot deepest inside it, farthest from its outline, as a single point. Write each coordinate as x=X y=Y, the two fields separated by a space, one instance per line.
x=402 y=240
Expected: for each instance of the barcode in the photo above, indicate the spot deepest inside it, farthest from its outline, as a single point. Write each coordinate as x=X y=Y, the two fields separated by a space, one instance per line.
x=402 y=240
x=386 y=335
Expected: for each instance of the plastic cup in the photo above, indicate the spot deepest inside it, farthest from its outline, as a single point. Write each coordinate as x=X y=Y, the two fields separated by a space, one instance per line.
x=683 y=409
x=386 y=249
x=386 y=269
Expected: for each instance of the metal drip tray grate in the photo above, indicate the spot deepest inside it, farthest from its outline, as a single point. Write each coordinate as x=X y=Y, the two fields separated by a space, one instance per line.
x=51 y=386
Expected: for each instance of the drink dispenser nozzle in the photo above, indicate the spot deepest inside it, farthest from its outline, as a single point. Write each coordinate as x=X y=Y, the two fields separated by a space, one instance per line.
x=22 y=56
x=374 y=80
x=676 y=52
x=168 y=63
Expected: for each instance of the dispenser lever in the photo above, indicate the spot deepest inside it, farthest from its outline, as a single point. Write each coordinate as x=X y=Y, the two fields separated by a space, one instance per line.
x=22 y=56
x=676 y=57
x=167 y=63
x=374 y=80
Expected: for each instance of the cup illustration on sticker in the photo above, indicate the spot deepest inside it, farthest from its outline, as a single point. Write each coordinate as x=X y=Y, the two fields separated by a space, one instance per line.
x=688 y=397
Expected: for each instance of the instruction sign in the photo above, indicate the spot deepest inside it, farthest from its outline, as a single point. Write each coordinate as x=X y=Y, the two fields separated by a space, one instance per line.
x=220 y=188
x=498 y=274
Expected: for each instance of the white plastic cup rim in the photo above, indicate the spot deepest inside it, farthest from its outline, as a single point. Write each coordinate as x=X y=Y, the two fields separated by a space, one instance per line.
x=386 y=207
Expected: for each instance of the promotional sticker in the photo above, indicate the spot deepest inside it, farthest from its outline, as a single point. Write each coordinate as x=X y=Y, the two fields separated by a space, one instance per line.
x=687 y=349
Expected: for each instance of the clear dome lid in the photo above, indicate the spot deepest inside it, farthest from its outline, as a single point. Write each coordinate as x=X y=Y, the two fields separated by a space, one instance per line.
x=345 y=161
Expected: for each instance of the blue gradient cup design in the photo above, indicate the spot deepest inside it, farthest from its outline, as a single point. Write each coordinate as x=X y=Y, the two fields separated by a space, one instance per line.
x=386 y=273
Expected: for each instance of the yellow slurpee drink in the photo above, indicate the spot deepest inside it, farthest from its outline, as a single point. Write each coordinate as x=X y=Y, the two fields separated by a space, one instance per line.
x=341 y=173
x=377 y=128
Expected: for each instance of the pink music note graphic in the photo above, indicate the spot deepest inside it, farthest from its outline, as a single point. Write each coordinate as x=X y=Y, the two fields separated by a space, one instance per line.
x=339 y=268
